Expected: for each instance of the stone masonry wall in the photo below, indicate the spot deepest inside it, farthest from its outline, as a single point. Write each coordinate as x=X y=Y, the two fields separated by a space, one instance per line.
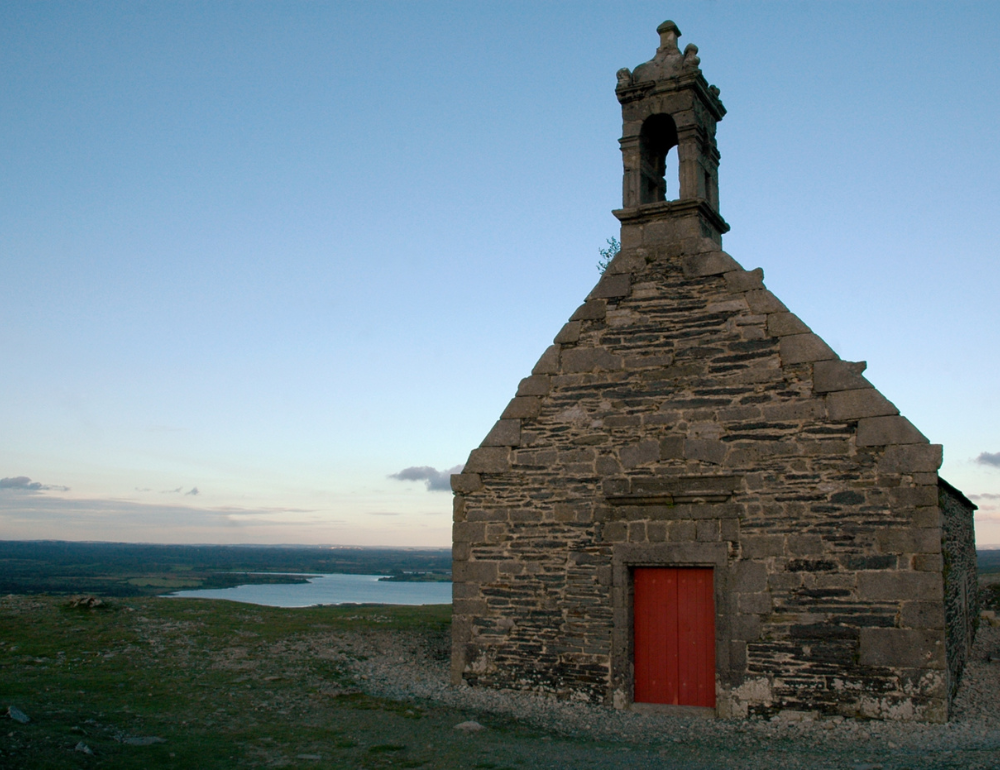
x=961 y=579
x=684 y=416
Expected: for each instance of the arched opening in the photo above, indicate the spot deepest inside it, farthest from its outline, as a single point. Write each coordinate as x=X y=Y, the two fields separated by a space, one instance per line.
x=656 y=138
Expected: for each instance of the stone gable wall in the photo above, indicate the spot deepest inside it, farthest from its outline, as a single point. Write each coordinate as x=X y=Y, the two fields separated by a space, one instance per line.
x=684 y=416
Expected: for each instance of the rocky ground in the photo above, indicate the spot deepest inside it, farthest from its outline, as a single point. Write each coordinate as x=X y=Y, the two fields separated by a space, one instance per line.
x=403 y=668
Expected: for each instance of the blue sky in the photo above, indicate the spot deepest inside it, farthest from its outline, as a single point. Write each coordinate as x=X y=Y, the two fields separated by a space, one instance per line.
x=256 y=258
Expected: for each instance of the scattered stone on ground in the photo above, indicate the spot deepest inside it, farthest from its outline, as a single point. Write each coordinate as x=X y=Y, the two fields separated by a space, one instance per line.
x=17 y=715
x=83 y=748
x=86 y=602
x=470 y=727
x=404 y=666
x=143 y=740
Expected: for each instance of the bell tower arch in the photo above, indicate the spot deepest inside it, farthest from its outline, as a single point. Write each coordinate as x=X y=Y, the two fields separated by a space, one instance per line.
x=669 y=154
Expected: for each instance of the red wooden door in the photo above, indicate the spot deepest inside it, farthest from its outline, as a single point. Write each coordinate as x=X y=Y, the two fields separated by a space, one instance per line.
x=674 y=625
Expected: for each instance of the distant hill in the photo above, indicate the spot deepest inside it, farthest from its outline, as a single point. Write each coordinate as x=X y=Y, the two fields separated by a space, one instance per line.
x=134 y=569
x=989 y=560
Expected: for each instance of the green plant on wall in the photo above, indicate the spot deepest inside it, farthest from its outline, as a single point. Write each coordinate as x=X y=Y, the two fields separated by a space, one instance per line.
x=607 y=254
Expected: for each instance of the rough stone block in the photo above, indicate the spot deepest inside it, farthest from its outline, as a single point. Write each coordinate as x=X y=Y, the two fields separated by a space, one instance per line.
x=535 y=458
x=706 y=450
x=683 y=531
x=755 y=604
x=926 y=516
x=569 y=333
x=928 y=562
x=784 y=581
x=739 y=281
x=612 y=286
x=710 y=263
x=614 y=531
x=656 y=531
x=880 y=431
x=628 y=261
x=901 y=648
x=804 y=545
x=469 y=607
x=522 y=408
x=784 y=324
x=607 y=466
x=855 y=404
x=549 y=362
x=763 y=301
x=746 y=627
x=535 y=385
x=591 y=310
x=631 y=236
x=672 y=448
x=504 y=433
x=649 y=360
x=911 y=458
x=729 y=529
x=488 y=460
x=639 y=454
x=707 y=530
x=522 y=515
x=760 y=546
x=637 y=532
x=590 y=360
x=749 y=577
x=906 y=497
x=885 y=585
x=910 y=540
x=487 y=514
x=468 y=532
x=922 y=615
x=466 y=483
x=804 y=348
x=808 y=410
x=839 y=375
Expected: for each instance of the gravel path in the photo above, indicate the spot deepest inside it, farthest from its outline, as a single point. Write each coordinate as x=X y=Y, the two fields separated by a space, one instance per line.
x=402 y=666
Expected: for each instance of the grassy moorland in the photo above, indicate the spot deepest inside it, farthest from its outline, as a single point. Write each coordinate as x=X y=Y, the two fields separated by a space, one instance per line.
x=190 y=683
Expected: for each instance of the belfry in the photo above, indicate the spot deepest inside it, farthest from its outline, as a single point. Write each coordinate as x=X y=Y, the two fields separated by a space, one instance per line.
x=691 y=503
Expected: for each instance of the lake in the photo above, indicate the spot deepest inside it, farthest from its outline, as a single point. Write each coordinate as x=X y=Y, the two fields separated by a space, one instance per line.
x=330 y=589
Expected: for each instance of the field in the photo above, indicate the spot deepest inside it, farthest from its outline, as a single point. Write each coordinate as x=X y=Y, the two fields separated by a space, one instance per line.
x=189 y=683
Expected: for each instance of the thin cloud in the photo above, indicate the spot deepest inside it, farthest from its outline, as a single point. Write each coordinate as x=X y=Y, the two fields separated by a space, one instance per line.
x=382 y=513
x=45 y=517
x=193 y=492
x=25 y=484
x=989 y=458
x=985 y=496
x=254 y=511
x=437 y=481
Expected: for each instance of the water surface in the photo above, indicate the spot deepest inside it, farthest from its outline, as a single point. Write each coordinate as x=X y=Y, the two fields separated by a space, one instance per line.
x=330 y=589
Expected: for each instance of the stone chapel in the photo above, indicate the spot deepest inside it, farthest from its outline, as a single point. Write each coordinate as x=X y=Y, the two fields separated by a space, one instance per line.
x=692 y=504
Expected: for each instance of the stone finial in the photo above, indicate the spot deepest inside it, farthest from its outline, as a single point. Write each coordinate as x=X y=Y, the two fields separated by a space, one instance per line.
x=668 y=61
x=691 y=60
x=668 y=37
x=624 y=77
